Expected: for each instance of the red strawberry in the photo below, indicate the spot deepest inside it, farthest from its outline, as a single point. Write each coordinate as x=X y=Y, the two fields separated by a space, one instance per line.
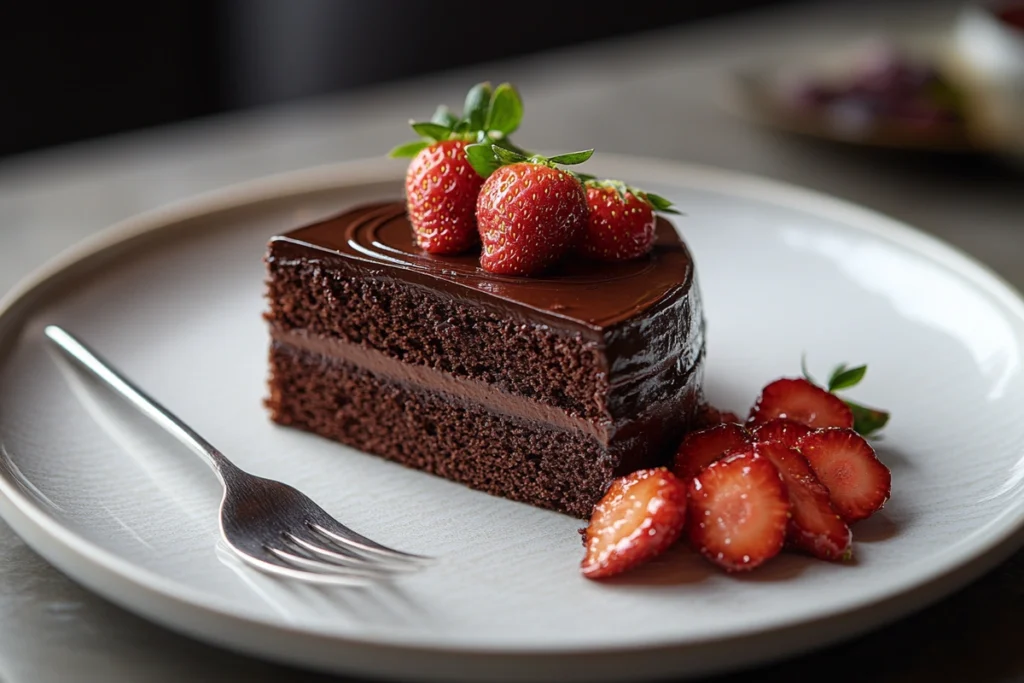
x=814 y=526
x=620 y=227
x=709 y=416
x=529 y=215
x=622 y=222
x=781 y=430
x=640 y=516
x=441 y=184
x=738 y=511
x=800 y=401
x=858 y=483
x=441 y=188
x=700 y=449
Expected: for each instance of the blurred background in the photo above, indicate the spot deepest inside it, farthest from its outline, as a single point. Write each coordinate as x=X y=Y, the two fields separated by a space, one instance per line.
x=71 y=71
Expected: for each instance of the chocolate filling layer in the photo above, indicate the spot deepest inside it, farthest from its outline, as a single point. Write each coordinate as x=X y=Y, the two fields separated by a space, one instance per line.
x=423 y=378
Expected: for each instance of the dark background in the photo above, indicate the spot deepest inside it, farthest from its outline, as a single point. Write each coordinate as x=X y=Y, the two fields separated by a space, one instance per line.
x=73 y=71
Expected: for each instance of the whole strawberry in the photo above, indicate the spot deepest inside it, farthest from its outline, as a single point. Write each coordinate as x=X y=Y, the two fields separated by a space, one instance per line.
x=441 y=186
x=529 y=212
x=440 y=192
x=622 y=221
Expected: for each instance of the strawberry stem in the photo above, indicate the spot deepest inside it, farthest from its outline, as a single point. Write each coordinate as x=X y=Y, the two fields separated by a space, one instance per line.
x=487 y=156
x=657 y=202
x=444 y=116
x=489 y=115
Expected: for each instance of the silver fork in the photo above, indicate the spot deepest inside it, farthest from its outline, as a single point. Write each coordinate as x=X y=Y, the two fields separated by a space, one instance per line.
x=270 y=525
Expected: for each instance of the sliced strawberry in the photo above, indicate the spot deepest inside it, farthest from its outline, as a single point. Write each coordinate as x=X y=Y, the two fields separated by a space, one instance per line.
x=800 y=401
x=700 y=449
x=814 y=526
x=710 y=416
x=738 y=511
x=781 y=430
x=858 y=483
x=640 y=516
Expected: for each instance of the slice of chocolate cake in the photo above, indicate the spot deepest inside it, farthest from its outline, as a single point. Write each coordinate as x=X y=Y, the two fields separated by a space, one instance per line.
x=541 y=389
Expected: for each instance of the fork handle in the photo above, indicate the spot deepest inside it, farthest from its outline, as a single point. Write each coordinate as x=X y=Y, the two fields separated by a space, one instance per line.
x=148 y=406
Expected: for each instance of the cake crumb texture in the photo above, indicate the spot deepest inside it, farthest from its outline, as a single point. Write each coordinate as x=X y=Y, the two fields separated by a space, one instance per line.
x=409 y=323
x=556 y=469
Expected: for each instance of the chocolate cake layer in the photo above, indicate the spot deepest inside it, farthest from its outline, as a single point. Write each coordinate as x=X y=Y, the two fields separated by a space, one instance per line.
x=519 y=459
x=457 y=388
x=610 y=356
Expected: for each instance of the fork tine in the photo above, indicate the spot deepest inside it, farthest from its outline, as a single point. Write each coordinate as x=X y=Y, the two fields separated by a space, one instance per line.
x=350 y=539
x=344 y=560
x=320 y=567
x=276 y=569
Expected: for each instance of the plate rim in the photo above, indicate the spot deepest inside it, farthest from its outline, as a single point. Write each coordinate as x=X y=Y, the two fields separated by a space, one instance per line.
x=64 y=548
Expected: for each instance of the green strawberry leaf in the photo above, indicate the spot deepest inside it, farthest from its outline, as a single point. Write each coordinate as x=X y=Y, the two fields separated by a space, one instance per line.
x=504 y=143
x=843 y=378
x=408 y=150
x=572 y=157
x=659 y=203
x=507 y=156
x=867 y=421
x=431 y=131
x=505 y=111
x=478 y=100
x=584 y=178
x=443 y=116
x=488 y=117
x=804 y=371
x=482 y=158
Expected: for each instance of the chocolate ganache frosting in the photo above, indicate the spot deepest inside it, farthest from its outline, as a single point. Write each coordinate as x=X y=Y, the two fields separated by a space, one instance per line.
x=643 y=315
x=589 y=295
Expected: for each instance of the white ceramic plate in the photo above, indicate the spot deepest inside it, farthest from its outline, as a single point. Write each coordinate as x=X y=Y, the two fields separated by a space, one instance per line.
x=174 y=297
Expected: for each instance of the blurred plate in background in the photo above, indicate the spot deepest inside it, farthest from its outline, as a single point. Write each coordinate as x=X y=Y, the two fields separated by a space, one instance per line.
x=915 y=94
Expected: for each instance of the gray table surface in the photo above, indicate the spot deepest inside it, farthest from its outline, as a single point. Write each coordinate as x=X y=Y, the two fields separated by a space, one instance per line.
x=652 y=95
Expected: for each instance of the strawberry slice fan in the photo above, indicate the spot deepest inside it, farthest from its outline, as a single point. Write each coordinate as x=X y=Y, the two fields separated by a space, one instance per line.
x=795 y=476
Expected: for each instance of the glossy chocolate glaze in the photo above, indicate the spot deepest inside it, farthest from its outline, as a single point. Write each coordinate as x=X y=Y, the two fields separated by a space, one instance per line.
x=590 y=294
x=645 y=315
